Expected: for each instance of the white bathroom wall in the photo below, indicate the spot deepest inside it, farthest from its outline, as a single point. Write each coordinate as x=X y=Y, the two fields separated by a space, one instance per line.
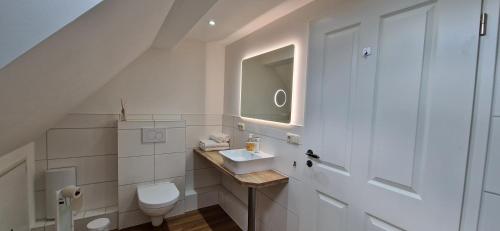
x=148 y=163
x=159 y=85
x=67 y=67
x=159 y=82
x=290 y=29
x=87 y=142
x=174 y=161
x=15 y=179
x=278 y=206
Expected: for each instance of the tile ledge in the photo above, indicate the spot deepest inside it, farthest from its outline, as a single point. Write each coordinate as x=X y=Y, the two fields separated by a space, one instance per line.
x=78 y=216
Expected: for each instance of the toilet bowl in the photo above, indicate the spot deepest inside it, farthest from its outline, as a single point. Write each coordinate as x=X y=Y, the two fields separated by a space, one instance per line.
x=157 y=200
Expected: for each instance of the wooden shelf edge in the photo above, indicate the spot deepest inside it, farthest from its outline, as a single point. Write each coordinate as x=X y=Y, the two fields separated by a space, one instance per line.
x=253 y=180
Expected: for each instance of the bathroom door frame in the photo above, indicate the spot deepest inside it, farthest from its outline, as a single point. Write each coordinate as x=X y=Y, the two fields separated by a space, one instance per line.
x=481 y=118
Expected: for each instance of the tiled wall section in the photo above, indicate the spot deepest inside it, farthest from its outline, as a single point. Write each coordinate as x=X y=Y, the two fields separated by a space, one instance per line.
x=173 y=161
x=277 y=206
x=146 y=163
x=87 y=142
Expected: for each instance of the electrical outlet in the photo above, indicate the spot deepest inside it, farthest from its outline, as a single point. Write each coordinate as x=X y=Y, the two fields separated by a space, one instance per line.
x=241 y=126
x=292 y=138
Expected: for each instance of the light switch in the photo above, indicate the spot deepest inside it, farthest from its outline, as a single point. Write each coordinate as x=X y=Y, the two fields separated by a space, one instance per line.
x=292 y=138
x=154 y=135
x=241 y=126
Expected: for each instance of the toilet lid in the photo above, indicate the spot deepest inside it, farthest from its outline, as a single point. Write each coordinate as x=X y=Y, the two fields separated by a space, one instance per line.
x=157 y=195
x=98 y=224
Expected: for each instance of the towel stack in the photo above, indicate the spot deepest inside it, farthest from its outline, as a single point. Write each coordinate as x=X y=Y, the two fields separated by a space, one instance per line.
x=216 y=142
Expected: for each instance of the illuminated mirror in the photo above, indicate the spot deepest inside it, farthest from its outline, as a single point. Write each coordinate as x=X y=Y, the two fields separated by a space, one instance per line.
x=266 y=85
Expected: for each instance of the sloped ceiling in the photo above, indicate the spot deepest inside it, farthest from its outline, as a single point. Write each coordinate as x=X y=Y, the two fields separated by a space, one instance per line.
x=44 y=84
x=183 y=16
x=25 y=23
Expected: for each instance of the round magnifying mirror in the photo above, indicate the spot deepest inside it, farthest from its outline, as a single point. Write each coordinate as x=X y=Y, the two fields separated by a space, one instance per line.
x=280 y=98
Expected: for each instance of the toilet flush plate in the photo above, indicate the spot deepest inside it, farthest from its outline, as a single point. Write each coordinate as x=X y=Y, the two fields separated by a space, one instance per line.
x=154 y=135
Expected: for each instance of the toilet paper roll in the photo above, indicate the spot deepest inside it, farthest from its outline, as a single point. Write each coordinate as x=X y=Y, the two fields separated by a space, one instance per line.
x=71 y=191
x=77 y=203
x=74 y=194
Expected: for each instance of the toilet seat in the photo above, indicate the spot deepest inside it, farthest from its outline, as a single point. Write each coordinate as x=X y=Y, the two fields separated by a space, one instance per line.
x=157 y=195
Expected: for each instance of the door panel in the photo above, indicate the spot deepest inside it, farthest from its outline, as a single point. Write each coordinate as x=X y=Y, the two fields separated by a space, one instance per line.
x=399 y=119
x=331 y=214
x=391 y=128
x=341 y=48
x=376 y=224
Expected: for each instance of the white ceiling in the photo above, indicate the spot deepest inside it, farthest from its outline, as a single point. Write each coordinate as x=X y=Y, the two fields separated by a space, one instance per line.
x=229 y=16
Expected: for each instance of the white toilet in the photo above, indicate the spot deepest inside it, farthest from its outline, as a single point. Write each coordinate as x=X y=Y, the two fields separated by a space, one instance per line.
x=157 y=200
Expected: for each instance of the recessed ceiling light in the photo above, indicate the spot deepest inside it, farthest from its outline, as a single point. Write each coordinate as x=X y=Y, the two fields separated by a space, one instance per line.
x=211 y=23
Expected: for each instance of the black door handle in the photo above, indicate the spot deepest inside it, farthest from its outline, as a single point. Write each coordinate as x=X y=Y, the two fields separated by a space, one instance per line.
x=311 y=154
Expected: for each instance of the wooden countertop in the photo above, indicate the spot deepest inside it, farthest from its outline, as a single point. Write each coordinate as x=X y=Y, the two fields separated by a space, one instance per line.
x=253 y=180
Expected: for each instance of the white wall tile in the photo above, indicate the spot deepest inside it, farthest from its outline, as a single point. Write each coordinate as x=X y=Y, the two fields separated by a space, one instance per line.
x=99 y=195
x=227 y=121
x=170 y=124
x=95 y=212
x=199 y=119
x=40 y=168
x=135 y=124
x=195 y=133
x=139 y=117
x=64 y=143
x=50 y=226
x=201 y=200
x=292 y=221
x=135 y=169
x=195 y=161
x=169 y=165
x=202 y=178
x=228 y=131
x=133 y=218
x=490 y=210
x=176 y=139
x=234 y=208
x=127 y=197
x=272 y=215
x=238 y=191
x=167 y=117
x=92 y=169
x=88 y=121
x=40 y=205
x=287 y=195
x=492 y=184
x=130 y=143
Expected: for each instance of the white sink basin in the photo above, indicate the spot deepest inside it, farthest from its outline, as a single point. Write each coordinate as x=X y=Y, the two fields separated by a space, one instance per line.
x=241 y=161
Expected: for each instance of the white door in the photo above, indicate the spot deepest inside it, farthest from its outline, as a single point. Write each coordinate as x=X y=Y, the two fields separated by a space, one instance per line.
x=391 y=127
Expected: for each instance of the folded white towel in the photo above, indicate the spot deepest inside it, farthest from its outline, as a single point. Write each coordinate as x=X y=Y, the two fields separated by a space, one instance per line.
x=215 y=149
x=208 y=145
x=220 y=137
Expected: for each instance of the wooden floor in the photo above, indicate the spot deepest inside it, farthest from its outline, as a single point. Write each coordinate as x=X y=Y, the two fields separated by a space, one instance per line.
x=211 y=218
